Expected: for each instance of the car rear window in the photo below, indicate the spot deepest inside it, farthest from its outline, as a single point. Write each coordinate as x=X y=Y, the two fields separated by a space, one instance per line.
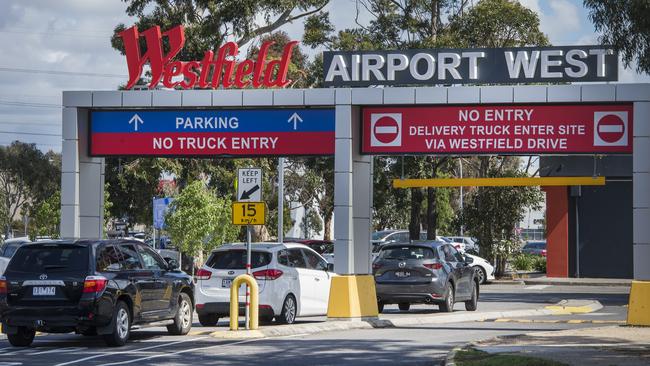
x=49 y=258
x=236 y=259
x=407 y=252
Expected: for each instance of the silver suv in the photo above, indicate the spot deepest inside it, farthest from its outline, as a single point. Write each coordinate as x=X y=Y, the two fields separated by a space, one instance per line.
x=430 y=272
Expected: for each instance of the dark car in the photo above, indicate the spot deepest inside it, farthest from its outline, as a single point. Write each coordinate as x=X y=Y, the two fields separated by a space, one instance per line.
x=424 y=272
x=535 y=248
x=100 y=287
x=9 y=247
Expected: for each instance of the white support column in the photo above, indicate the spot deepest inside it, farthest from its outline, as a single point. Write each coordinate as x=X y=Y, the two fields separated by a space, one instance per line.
x=70 y=175
x=343 y=163
x=641 y=191
x=82 y=180
x=361 y=200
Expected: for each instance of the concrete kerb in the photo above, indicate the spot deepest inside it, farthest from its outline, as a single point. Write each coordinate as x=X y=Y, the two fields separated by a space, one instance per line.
x=564 y=307
x=577 y=281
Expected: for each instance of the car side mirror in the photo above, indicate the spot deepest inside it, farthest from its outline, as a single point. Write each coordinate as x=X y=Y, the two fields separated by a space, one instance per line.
x=330 y=267
x=469 y=260
x=172 y=264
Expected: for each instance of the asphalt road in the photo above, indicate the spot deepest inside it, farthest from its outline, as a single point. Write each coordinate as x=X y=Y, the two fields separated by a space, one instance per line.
x=426 y=345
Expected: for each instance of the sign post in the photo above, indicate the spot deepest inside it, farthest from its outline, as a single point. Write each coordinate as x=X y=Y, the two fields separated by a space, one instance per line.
x=249 y=210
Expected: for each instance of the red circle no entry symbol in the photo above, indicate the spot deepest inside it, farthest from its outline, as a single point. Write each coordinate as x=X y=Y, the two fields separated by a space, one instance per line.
x=611 y=128
x=386 y=130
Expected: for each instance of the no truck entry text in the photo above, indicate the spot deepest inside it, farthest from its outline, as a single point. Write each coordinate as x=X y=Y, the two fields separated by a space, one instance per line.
x=214 y=143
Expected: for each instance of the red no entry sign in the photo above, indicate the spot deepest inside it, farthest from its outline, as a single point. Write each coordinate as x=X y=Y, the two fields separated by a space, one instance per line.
x=498 y=129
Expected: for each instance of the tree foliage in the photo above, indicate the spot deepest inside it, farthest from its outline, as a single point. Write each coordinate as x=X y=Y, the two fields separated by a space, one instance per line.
x=27 y=178
x=199 y=221
x=46 y=217
x=624 y=24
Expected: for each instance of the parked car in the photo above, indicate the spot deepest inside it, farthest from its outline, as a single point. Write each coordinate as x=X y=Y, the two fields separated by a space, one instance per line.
x=323 y=247
x=470 y=243
x=535 y=248
x=389 y=236
x=431 y=272
x=99 y=287
x=7 y=250
x=484 y=270
x=293 y=281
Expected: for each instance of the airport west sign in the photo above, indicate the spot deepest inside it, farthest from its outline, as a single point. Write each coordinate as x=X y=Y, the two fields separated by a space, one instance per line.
x=212 y=132
x=470 y=66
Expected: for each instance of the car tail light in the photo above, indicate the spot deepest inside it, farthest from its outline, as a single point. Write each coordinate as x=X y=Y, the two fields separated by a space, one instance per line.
x=435 y=265
x=457 y=246
x=95 y=284
x=268 y=274
x=200 y=306
x=543 y=252
x=3 y=285
x=376 y=266
x=203 y=274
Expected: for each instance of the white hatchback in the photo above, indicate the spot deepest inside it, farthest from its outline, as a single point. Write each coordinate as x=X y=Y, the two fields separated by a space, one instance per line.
x=293 y=281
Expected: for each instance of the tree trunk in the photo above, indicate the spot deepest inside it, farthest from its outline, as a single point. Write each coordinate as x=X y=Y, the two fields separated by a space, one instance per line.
x=432 y=215
x=416 y=209
x=327 y=223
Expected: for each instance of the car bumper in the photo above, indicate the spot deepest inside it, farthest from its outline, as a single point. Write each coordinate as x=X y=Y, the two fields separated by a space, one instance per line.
x=222 y=309
x=399 y=292
x=53 y=319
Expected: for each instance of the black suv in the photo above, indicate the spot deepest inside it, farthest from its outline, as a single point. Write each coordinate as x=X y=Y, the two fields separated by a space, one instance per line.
x=99 y=287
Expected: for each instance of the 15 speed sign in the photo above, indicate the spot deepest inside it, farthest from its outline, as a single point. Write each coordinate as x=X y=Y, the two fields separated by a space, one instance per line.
x=248 y=213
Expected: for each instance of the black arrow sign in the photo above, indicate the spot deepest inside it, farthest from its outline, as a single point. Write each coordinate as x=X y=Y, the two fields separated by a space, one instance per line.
x=247 y=194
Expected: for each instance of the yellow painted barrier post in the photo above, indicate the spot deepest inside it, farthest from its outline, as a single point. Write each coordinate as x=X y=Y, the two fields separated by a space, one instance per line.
x=234 y=302
x=638 y=309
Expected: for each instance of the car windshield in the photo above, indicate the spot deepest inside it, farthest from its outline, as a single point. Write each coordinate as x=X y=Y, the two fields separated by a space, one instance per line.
x=406 y=252
x=11 y=249
x=236 y=259
x=380 y=235
x=45 y=258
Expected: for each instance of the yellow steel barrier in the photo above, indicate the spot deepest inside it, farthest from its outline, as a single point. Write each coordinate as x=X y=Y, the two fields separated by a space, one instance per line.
x=234 y=301
x=499 y=182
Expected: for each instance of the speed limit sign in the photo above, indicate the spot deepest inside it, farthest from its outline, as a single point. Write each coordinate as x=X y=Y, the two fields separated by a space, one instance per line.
x=248 y=213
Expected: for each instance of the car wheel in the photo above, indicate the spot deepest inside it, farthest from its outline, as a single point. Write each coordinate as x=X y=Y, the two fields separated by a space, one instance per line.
x=289 y=310
x=23 y=338
x=472 y=303
x=208 y=320
x=183 y=319
x=481 y=275
x=121 y=326
x=380 y=307
x=404 y=306
x=448 y=305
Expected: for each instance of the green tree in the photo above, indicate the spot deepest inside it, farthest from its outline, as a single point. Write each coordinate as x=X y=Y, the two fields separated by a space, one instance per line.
x=624 y=24
x=46 y=217
x=27 y=177
x=199 y=221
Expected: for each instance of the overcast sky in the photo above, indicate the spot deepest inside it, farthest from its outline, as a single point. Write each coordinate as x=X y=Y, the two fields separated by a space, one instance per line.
x=42 y=40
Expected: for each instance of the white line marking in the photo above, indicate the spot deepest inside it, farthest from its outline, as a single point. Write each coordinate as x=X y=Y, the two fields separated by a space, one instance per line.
x=536 y=287
x=195 y=349
x=386 y=129
x=129 y=351
x=610 y=128
x=57 y=350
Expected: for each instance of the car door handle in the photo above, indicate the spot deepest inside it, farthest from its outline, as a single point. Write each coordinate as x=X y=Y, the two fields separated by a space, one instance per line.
x=317 y=279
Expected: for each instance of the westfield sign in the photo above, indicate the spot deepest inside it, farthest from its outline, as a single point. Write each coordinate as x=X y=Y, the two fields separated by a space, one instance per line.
x=213 y=71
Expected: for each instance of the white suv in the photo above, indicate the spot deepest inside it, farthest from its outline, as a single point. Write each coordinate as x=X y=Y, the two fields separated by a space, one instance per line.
x=293 y=281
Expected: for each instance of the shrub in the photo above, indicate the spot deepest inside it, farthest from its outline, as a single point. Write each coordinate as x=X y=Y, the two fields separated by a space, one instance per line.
x=523 y=262
x=539 y=264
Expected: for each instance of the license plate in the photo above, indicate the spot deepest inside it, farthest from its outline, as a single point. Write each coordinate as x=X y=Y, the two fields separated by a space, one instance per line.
x=403 y=274
x=226 y=283
x=44 y=291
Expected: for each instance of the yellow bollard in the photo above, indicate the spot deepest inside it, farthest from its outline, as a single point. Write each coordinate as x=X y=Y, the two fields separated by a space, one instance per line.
x=234 y=301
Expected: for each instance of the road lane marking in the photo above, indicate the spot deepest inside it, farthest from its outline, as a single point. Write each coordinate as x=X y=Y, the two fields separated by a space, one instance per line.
x=196 y=349
x=57 y=350
x=103 y=354
x=536 y=287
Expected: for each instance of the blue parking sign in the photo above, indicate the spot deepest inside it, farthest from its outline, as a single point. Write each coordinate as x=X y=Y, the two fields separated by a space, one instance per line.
x=160 y=207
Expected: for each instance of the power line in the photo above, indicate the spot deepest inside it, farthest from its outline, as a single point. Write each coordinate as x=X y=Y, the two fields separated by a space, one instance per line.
x=30 y=104
x=32 y=133
x=57 y=34
x=46 y=124
x=56 y=72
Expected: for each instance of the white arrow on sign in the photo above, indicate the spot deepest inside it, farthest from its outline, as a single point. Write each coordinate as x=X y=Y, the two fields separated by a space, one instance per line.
x=295 y=118
x=135 y=120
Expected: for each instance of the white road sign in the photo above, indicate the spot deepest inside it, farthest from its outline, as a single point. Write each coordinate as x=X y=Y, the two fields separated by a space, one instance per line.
x=249 y=186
